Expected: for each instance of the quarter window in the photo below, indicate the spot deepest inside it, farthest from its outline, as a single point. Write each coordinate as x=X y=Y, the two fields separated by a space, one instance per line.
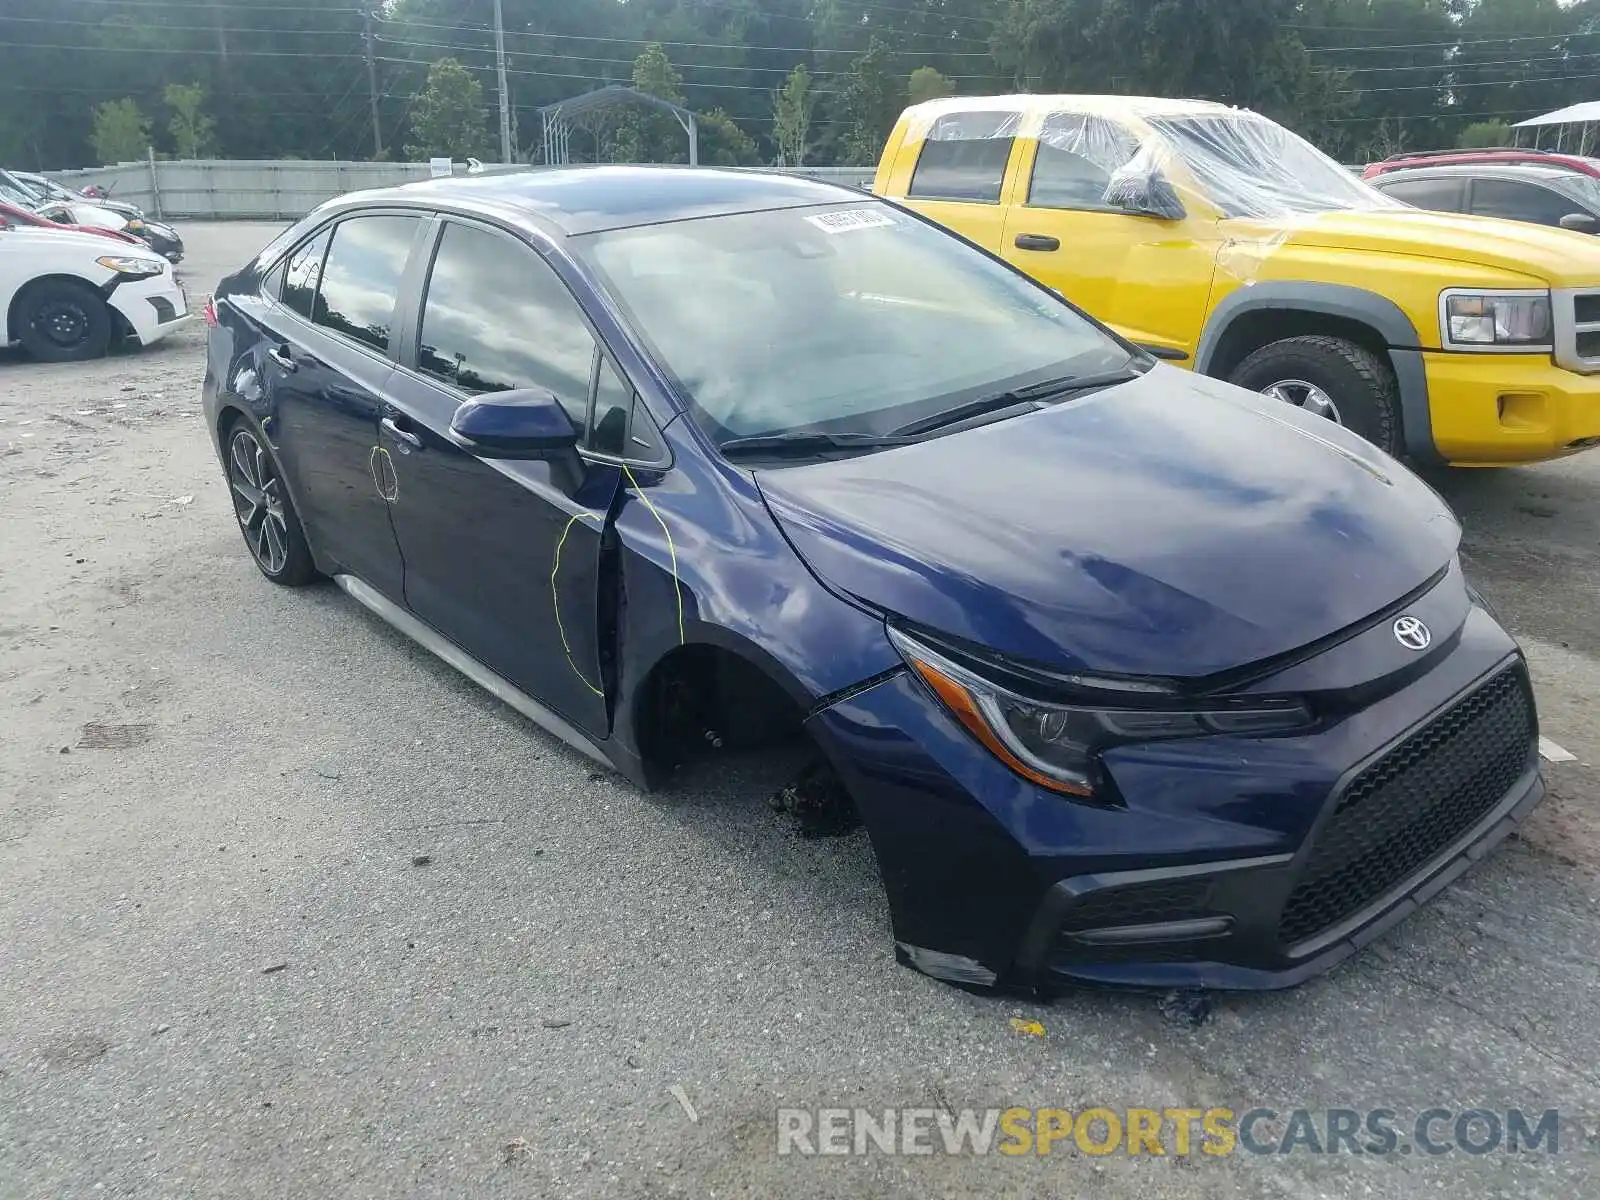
x=301 y=275
x=964 y=157
x=613 y=406
x=361 y=277
x=496 y=318
x=1076 y=159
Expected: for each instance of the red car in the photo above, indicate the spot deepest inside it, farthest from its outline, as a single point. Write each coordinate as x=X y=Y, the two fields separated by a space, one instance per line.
x=18 y=215
x=1500 y=155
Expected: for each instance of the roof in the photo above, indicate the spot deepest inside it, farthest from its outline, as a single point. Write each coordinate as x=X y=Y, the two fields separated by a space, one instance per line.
x=1139 y=106
x=1573 y=114
x=1530 y=172
x=588 y=199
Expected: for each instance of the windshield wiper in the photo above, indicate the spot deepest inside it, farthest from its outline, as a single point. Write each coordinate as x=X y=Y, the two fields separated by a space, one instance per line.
x=1034 y=394
x=809 y=443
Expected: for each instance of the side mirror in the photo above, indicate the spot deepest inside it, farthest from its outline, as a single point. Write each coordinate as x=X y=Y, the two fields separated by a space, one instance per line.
x=527 y=423
x=1581 y=223
x=1146 y=194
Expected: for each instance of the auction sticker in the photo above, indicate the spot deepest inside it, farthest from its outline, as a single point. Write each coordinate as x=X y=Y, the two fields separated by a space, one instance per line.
x=845 y=220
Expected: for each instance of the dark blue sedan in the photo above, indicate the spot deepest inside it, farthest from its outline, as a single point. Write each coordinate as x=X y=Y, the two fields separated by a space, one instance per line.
x=1131 y=675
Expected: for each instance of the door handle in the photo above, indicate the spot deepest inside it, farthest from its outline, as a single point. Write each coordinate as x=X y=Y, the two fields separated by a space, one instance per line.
x=281 y=356
x=1037 y=241
x=408 y=440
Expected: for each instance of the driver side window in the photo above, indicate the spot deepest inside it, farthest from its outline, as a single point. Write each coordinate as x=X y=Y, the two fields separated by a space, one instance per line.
x=1076 y=159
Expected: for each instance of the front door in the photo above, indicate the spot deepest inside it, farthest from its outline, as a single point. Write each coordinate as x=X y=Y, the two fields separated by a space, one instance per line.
x=324 y=362
x=502 y=557
x=1148 y=278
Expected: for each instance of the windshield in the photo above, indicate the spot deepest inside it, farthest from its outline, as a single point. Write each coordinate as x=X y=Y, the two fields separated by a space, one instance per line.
x=840 y=319
x=1252 y=167
x=12 y=191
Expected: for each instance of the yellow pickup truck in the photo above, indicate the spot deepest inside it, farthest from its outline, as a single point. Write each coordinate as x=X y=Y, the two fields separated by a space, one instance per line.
x=1217 y=239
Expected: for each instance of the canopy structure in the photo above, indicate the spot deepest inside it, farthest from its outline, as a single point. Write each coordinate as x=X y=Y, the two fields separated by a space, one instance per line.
x=1574 y=128
x=562 y=117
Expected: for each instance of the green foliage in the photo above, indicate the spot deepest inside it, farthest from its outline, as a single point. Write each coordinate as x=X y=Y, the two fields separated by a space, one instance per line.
x=644 y=133
x=1484 y=133
x=193 y=132
x=121 y=132
x=928 y=84
x=723 y=143
x=449 y=118
x=791 y=118
x=868 y=101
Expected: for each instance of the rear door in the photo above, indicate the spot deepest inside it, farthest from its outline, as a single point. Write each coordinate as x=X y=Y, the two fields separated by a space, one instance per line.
x=503 y=557
x=324 y=364
x=1148 y=278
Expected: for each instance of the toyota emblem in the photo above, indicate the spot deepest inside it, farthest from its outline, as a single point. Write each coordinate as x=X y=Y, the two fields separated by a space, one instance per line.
x=1412 y=633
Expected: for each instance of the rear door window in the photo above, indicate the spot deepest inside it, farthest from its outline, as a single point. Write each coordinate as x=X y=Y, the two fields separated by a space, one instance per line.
x=361 y=277
x=965 y=157
x=1520 y=201
x=1441 y=195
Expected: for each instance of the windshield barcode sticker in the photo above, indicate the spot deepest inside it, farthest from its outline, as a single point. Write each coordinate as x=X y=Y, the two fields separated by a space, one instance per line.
x=846 y=219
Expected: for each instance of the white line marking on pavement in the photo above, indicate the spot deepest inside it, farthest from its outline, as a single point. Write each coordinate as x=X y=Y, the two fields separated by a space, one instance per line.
x=1551 y=752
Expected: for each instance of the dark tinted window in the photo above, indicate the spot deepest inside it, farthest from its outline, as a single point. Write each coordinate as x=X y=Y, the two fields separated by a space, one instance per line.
x=965 y=157
x=497 y=318
x=361 y=277
x=1076 y=158
x=1520 y=201
x=613 y=405
x=1442 y=195
x=300 y=275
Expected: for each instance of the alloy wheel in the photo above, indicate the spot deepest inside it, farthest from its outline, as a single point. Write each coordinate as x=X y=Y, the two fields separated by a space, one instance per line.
x=258 y=501
x=1305 y=395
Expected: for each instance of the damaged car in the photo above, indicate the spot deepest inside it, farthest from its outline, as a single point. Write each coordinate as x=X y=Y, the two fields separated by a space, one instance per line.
x=1133 y=676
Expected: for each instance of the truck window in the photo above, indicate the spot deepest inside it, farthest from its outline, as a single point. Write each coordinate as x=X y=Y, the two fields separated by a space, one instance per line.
x=964 y=157
x=1076 y=158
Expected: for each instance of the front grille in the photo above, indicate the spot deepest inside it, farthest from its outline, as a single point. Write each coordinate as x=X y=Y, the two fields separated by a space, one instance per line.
x=1408 y=807
x=1589 y=344
x=1586 y=307
x=1141 y=904
x=1577 y=321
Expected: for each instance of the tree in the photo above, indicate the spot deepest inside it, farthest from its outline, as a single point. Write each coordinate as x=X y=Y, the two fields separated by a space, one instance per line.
x=868 y=103
x=448 y=118
x=723 y=143
x=791 y=118
x=928 y=84
x=1481 y=134
x=121 y=132
x=193 y=132
x=646 y=134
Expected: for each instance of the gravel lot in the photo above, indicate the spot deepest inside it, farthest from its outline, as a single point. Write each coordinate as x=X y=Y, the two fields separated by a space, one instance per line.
x=204 y=779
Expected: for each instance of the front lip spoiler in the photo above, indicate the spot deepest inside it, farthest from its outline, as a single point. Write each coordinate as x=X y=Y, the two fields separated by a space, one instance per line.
x=1326 y=950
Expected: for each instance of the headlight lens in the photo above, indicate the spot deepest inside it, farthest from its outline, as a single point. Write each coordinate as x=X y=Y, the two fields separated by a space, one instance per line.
x=1055 y=745
x=1508 y=319
x=132 y=266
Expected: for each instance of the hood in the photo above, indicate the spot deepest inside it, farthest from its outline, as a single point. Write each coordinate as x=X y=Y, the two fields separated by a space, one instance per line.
x=1559 y=257
x=1173 y=526
x=59 y=238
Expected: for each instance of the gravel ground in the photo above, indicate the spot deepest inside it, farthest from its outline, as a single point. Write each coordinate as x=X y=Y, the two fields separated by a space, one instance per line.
x=223 y=973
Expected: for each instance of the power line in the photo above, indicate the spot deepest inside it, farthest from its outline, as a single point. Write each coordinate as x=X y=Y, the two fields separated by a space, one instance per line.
x=1450 y=45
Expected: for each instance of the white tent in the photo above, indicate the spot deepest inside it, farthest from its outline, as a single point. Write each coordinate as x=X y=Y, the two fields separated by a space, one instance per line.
x=1574 y=128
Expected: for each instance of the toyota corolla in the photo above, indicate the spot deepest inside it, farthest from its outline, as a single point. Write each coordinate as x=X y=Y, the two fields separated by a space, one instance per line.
x=1132 y=676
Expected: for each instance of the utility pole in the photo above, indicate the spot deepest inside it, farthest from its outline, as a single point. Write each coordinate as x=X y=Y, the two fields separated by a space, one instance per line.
x=505 y=95
x=372 y=87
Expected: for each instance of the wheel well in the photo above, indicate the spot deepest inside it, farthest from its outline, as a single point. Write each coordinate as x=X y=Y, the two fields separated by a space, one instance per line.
x=1252 y=330
x=702 y=698
x=27 y=289
x=227 y=417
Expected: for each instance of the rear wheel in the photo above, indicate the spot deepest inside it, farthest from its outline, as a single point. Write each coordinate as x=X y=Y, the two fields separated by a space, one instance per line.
x=267 y=518
x=61 y=321
x=1331 y=378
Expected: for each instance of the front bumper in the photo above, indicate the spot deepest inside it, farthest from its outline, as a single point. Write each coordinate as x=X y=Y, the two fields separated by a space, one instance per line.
x=1228 y=863
x=1492 y=410
x=153 y=307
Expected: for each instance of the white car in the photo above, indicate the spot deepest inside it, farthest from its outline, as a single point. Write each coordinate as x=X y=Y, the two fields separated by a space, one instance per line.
x=66 y=295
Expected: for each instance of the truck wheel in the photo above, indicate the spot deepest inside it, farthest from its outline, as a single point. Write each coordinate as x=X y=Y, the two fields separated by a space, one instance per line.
x=1331 y=378
x=58 y=321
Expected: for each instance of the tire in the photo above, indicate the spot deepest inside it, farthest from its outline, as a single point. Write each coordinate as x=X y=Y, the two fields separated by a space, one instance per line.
x=267 y=519
x=1359 y=384
x=61 y=321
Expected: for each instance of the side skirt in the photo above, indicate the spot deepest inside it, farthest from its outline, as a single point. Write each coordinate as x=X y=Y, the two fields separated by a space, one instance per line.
x=474 y=670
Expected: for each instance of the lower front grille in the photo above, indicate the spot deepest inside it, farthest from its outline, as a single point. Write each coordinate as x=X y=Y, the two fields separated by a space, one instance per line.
x=1407 y=808
x=1138 y=904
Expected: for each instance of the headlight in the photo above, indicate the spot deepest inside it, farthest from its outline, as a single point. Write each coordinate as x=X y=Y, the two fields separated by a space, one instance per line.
x=1497 y=320
x=1055 y=744
x=132 y=266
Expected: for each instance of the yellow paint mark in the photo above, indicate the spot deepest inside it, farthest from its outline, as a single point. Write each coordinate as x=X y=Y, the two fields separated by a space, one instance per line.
x=672 y=550
x=555 y=600
x=1031 y=1028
